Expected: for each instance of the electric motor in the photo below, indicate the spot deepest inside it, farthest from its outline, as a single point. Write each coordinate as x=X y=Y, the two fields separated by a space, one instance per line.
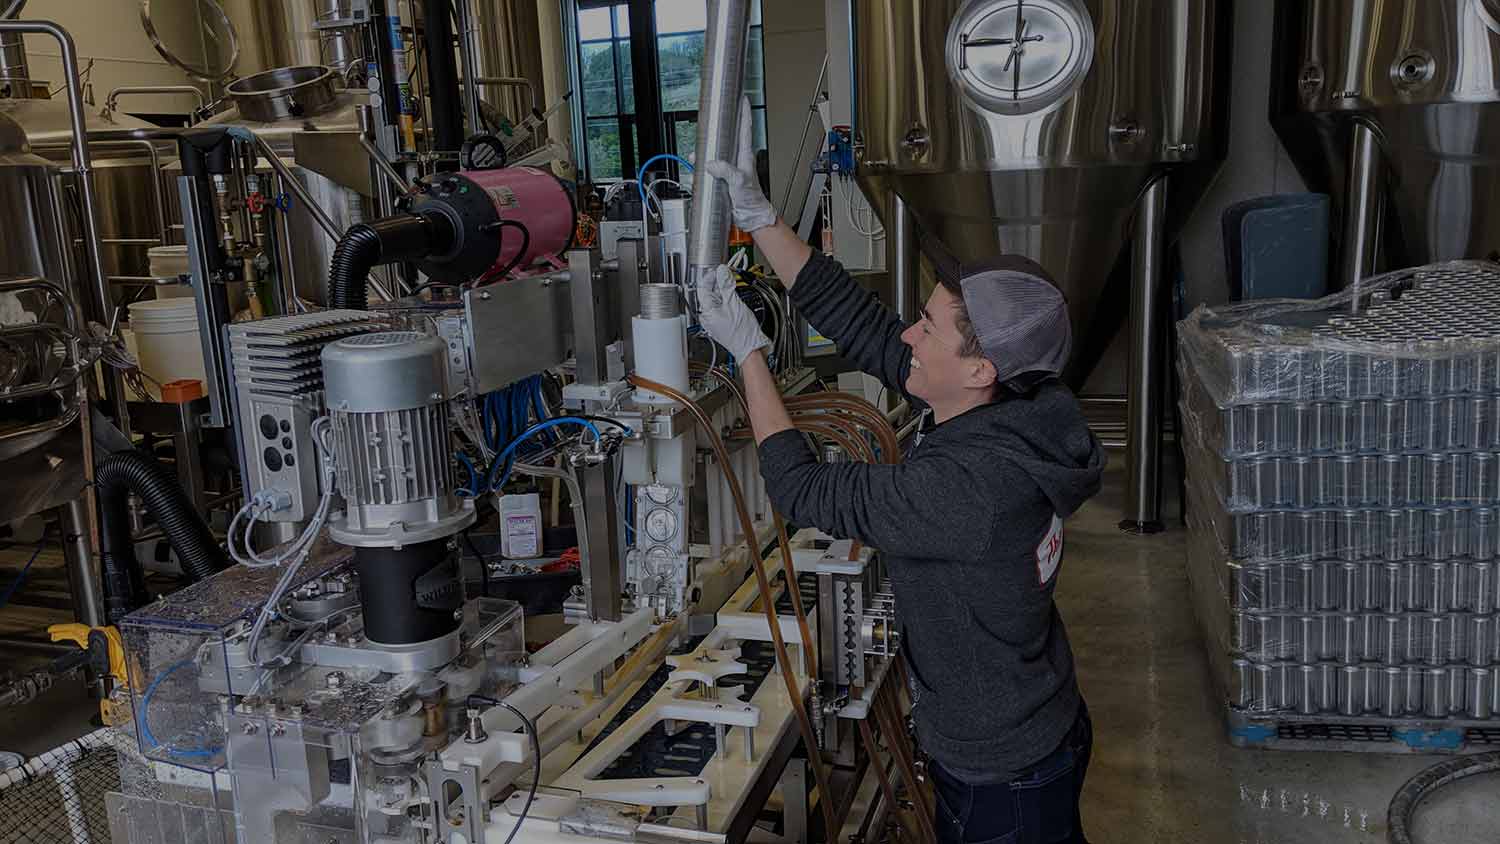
x=500 y=220
x=387 y=395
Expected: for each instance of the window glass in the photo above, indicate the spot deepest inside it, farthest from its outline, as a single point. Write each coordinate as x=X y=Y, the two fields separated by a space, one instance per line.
x=627 y=81
x=680 y=58
x=604 y=149
x=674 y=16
x=608 y=100
x=593 y=24
x=598 y=71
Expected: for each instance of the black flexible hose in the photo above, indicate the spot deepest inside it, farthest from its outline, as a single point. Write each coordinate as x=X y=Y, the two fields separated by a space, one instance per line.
x=404 y=237
x=357 y=253
x=525 y=246
x=116 y=477
x=1420 y=787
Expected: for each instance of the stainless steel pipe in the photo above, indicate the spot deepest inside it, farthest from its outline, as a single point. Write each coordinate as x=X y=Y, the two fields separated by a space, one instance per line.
x=720 y=87
x=83 y=578
x=113 y=100
x=289 y=180
x=902 y=257
x=1147 y=367
x=1364 y=203
x=468 y=50
x=82 y=164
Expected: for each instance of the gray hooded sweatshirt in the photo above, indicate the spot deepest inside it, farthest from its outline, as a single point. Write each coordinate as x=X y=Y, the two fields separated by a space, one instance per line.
x=970 y=528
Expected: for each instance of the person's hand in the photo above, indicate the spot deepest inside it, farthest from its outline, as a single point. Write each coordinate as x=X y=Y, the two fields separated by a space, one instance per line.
x=752 y=211
x=726 y=318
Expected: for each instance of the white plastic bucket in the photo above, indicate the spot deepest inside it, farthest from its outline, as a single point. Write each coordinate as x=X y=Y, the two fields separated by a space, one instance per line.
x=167 y=261
x=166 y=339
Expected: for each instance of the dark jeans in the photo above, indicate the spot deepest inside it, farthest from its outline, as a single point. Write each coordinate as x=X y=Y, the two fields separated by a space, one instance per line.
x=1038 y=806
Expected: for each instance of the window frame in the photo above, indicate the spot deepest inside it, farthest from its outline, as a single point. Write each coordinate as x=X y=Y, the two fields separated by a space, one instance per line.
x=625 y=122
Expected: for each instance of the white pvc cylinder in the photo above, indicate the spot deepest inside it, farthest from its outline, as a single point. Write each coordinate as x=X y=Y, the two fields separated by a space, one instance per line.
x=166 y=262
x=166 y=338
x=661 y=354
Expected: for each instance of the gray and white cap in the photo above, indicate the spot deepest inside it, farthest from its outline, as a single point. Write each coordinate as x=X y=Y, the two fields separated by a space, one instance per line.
x=1019 y=315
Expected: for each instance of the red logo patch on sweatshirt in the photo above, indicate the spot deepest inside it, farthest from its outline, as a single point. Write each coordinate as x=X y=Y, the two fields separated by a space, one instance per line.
x=1049 y=552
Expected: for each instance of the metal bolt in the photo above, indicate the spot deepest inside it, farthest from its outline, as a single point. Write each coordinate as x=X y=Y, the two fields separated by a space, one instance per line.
x=335 y=679
x=484 y=295
x=475 y=732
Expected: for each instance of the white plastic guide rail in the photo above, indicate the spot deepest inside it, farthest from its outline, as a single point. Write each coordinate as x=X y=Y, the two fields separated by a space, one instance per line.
x=563 y=666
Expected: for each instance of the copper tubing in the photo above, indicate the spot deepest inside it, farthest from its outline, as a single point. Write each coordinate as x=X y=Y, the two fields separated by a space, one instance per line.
x=794 y=587
x=892 y=724
x=919 y=817
x=854 y=425
x=853 y=445
x=858 y=407
x=809 y=653
x=768 y=601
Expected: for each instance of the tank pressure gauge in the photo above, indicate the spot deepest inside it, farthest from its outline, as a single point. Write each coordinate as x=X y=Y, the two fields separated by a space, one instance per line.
x=1020 y=56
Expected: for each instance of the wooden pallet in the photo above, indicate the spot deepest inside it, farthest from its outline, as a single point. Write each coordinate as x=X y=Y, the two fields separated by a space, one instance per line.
x=1289 y=731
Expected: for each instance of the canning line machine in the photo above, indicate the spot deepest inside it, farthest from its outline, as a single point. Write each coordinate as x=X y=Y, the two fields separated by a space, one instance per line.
x=340 y=684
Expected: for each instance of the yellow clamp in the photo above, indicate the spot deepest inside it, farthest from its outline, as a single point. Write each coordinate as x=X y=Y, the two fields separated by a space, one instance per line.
x=79 y=635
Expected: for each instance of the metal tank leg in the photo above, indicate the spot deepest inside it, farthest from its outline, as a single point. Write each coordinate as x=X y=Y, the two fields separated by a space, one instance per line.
x=1147 y=363
x=83 y=580
x=1363 y=208
x=901 y=257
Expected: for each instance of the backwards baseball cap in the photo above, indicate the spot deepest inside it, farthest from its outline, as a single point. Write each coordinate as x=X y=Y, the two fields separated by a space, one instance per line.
x=1019 y=315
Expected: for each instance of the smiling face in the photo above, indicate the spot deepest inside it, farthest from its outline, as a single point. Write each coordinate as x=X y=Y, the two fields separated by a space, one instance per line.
x=942 y=374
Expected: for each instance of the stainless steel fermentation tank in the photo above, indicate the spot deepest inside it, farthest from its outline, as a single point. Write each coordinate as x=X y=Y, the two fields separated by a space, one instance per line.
x=125 y=176
x=1039 y=127
x=1394 y=109
x=294 y=33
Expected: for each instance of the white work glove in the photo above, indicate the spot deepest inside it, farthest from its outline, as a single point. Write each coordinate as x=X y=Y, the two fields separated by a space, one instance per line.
x=752 y=211
x=725 y=316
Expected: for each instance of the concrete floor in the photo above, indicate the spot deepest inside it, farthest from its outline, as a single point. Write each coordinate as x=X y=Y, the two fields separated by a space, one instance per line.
x=1162 y=768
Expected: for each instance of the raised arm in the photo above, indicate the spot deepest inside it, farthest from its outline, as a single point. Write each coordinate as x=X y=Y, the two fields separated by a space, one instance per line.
x=867 y=332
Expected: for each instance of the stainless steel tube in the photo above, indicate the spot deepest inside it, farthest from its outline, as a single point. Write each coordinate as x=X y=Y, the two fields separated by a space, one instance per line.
x=512 y=82
x=901 y=258
x=113 y=100
x=82 y=164
x=14 y=69
x=1363 y=208
x=812 y=112
x=468 y=50
x=289 y=180
x=1143 y=424
x=720 y=87
x=83 y=579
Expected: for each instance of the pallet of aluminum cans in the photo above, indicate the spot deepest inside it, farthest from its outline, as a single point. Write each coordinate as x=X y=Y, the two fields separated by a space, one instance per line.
x=1344 y=506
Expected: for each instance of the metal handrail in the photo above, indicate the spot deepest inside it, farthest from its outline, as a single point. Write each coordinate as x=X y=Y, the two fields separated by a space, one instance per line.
x=113 y=100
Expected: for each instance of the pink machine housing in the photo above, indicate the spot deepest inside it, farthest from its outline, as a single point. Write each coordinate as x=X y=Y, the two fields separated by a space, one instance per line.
x=505 y=221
